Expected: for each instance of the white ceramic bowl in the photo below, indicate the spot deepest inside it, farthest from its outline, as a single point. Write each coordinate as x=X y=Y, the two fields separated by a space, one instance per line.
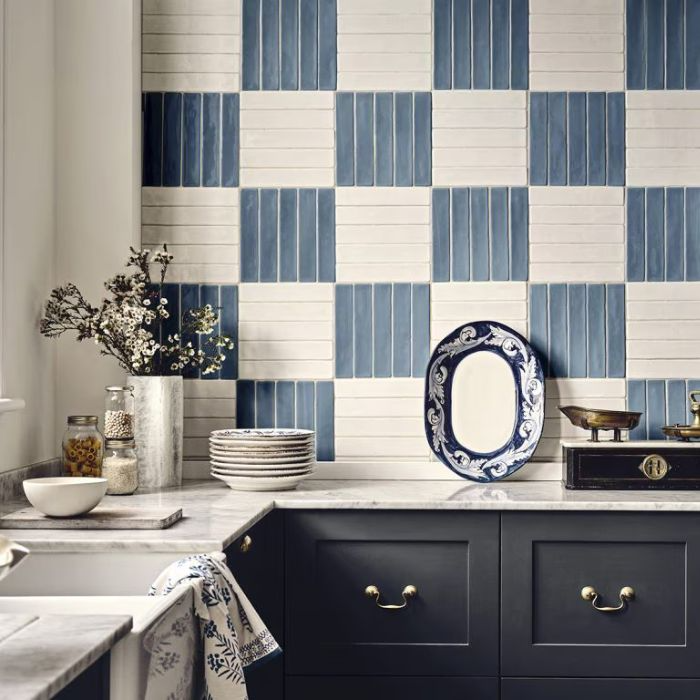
x=65 y=496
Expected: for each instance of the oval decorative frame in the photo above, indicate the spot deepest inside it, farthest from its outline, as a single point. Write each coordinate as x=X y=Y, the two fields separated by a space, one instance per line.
x=484 y=336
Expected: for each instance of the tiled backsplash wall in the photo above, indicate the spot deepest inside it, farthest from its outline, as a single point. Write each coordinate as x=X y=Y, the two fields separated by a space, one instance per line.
x=351 y=179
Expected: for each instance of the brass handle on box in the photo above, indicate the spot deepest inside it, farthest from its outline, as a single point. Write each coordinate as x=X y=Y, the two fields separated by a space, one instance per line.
x=590 y=593
x=407 y=593
x=246 y=544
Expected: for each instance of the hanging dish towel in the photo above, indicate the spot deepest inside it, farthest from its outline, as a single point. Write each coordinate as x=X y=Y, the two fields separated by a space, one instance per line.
x=233 y=635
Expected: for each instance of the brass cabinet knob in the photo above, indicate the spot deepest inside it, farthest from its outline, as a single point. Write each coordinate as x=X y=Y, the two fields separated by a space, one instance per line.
x=246 y=544
x=654 y=467
x=626 y=594
x=407 y=593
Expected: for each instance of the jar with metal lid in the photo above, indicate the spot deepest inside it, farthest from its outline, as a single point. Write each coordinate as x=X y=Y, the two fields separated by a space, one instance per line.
x=83 y=447
x=120 y=467
x=119 y=412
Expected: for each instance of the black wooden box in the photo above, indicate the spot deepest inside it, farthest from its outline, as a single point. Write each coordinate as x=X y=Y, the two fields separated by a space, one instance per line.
x=653 y=465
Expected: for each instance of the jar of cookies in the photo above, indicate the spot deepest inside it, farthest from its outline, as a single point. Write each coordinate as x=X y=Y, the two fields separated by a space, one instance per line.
x=83 y=447
x=119 y=412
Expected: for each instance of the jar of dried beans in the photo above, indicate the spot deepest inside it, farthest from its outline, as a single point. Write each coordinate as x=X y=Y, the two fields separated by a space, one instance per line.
x=119 y=412
x=83 y=447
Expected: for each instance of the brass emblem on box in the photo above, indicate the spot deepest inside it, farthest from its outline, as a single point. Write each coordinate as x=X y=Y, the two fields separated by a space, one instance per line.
x=654 y=467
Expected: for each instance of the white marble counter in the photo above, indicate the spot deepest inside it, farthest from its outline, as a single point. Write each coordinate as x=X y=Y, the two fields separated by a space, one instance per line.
x=214 y=515
x=41 y=655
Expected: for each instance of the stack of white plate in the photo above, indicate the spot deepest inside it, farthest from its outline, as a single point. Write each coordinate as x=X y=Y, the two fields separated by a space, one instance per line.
x=250 y=459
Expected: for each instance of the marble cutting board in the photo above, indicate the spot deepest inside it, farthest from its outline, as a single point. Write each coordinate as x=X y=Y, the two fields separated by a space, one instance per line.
x=101 y=518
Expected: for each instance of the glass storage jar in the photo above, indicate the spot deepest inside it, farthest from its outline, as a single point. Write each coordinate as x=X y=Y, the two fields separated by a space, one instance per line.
x=83 y=447
x=119 y=412
x=120 y=467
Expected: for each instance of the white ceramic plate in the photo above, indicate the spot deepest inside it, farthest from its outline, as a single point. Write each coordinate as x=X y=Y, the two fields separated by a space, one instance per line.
x=257 y=459
x=258 y=474
x=247 y=465
x=264 y=434
x=261 y=446
x=272 y=483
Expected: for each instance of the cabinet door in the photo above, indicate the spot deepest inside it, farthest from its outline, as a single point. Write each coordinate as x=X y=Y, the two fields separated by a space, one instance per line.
x=417 y=688
x=598 y=688
x=256 y=560
x=549 y=629
x=449 y=627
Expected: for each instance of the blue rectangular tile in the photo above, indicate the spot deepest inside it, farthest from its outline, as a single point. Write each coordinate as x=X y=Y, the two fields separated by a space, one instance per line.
x=288 y=236
x=636 y=234
x=556 y=136
x=264 y=404
x=655 y=247
x=692 y=233
x=230 y=139
x=500 y=264
x=307 y=236
x=615 y=329
x=289 y=53
x=327 y=50
x=654 y=27
x=306 y=405
x=189 y=299
x=615 y=138
x=676 y=402
x=170 y=325
x=384 y=130
x=364 y=138
x=440 y=216
x=596 y=138
x=345 y=138
x=269 y=204
x=209 y=294
x=637 y=401
x=539 y=325
x=578 y=342
x=326 y=235
x=363 y=330
x=270 y=45
x=228 y=297
x=538 y=138
x=191 y=149
x=422 y=175
x=500 y=51
x=285 y=414
x=401 y=332
x=152 y=175
x=245 y=403
x=308 y=57
x=461 y=45
x=250 y=227
x=656 y=408
x=382 y=330
x=519 y=238
x=420 y=329
x=325 y=421
x=442 y=46
x=479 y=233
x=635 y=51
x=251 y=45
x=459 y=228
x=344 y=334
x=519 y=44
x=481 y=35
x=211 y=139
x=692 y=48
x=172 y=138
x=558 y=327
x=596 y=327
x=675 y=44
x=403 y=106
x=674 y=224
x=576 y=128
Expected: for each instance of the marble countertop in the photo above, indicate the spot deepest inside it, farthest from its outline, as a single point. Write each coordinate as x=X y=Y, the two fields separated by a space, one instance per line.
x=41 y=655
x=215 y=515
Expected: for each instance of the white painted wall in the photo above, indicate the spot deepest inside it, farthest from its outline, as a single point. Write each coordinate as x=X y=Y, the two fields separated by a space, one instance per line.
x=28 y=365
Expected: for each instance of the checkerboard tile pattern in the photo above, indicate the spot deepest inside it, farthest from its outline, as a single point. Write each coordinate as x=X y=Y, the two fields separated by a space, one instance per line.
x=349 y=180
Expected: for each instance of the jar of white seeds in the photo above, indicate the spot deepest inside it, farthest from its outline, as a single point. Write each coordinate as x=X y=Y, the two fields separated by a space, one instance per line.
x=120 y=467
x=119 y=413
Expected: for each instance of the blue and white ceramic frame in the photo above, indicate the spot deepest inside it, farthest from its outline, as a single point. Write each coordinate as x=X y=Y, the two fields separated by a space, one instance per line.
x=484 y=336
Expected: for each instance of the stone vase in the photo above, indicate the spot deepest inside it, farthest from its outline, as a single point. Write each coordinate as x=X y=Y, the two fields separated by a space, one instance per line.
x=158 y=429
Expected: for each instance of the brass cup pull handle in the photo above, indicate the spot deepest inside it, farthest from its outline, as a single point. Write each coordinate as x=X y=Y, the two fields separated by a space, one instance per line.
x=590 y=593
x=246 y=544
x=407 y=593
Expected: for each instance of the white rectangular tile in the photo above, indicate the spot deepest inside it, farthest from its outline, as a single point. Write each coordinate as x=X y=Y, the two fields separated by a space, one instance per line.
x=209 y=389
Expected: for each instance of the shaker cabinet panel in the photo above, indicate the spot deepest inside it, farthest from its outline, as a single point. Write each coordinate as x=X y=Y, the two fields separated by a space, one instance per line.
x=635 y=618
x=598 y=688
x=448 y=627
